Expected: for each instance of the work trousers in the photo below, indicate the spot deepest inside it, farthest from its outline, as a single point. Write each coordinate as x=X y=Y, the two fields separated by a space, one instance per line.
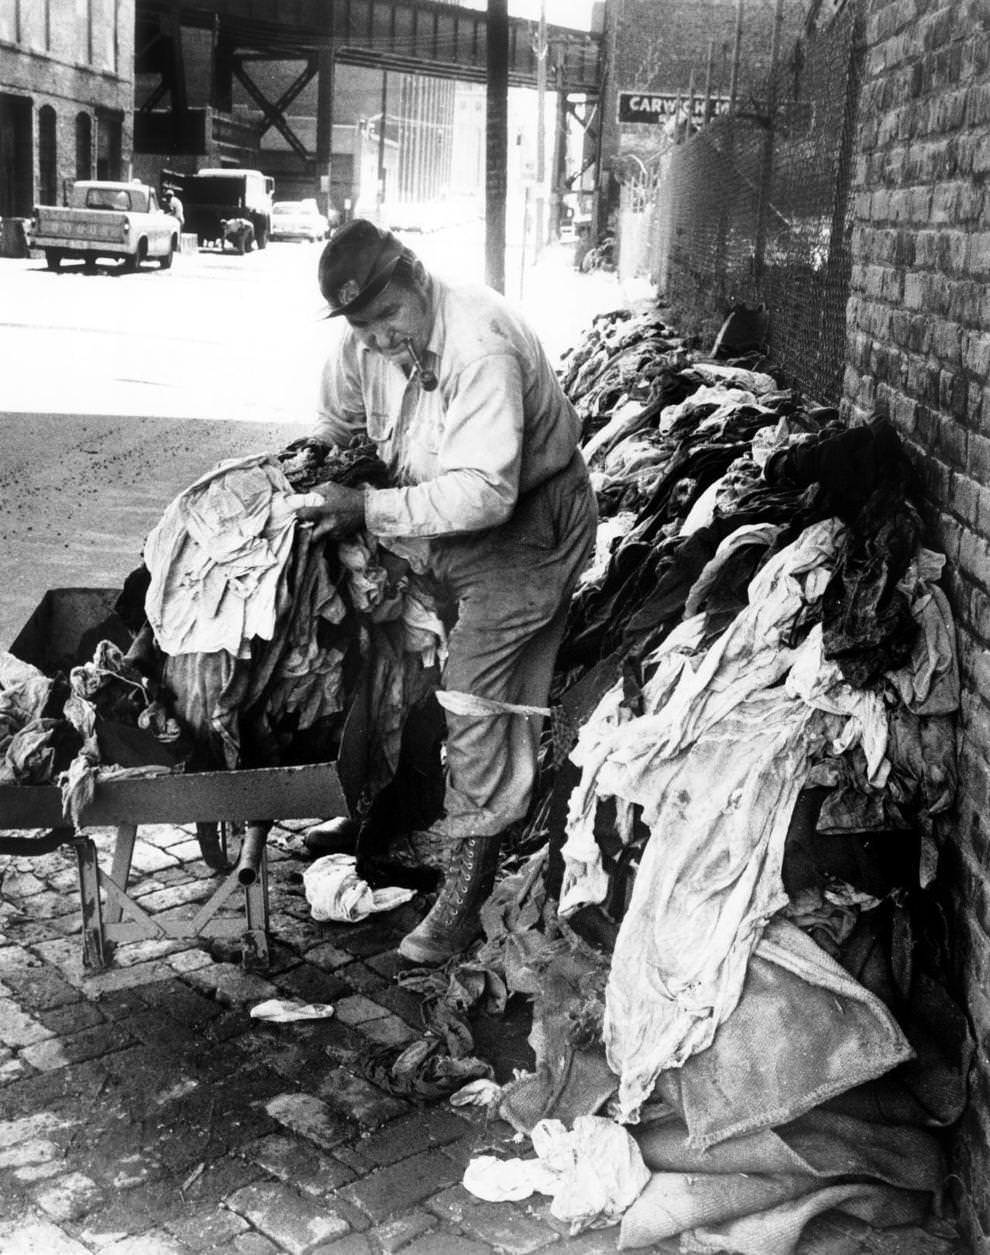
x=508 y=590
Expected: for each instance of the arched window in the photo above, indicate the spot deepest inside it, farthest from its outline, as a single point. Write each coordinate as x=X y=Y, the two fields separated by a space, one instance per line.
x=84 y=146
x=47 y=157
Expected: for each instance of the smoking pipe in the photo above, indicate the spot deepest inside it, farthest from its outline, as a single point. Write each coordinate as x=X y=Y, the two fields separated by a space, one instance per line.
x=427 y=379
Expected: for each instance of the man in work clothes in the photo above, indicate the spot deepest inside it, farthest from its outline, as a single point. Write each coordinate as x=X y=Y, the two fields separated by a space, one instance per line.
x=492 y=499
x=171 y=204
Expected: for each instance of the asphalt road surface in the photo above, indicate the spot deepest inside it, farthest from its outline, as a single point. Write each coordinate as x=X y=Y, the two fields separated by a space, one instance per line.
x=118 y=390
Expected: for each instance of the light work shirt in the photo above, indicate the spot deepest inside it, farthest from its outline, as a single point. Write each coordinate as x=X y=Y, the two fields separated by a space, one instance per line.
x=497 y=425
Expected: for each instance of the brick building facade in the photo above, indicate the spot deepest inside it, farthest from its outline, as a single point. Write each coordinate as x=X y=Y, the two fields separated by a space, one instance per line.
x=918 y=324
x=66 y=97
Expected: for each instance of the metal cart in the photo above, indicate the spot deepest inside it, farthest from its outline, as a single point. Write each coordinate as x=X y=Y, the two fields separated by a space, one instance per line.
x=62 y=632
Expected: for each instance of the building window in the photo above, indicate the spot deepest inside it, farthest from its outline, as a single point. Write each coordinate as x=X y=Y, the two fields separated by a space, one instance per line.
x=109 y=134
x=47 y=157
x=84 y=31
x=10 y=23
x=84 y=146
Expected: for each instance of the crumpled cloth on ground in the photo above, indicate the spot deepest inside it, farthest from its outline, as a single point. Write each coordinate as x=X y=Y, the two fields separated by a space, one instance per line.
x=752 y=1077
x=594 y=1172
x=599 y=1167
x=840 y=1036
x=334 y=891
x=723 y=400
x=821 y=1143
x=753 y=1215
x=216 y=557
x=288 y=1010
x=480 y=1093
x=572 y=1077
x=928 y=683
x=721 y=372
x=716 y=767
x=750 y=655
x=707 y=881
x=441 y=1062
x=507 y=1180
x=761 y=535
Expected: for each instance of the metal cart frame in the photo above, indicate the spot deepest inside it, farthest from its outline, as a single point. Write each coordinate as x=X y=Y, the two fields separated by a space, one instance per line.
x=62 y=631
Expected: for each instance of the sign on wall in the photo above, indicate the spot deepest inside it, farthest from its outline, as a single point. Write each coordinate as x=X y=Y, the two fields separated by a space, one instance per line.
x=654 y=107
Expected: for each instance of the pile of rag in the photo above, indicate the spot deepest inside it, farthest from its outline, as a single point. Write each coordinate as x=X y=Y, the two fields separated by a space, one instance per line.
x=724 y=909
x=250 y=642
x=262 y=637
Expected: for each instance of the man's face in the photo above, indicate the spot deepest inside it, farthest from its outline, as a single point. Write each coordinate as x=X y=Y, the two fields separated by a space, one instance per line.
x=400 y=313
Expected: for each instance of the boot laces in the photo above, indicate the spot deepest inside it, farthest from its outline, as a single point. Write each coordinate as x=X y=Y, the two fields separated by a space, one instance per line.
x=457 y=887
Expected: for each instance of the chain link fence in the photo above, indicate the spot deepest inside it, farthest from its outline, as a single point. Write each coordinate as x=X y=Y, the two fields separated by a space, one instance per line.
x=753 y=208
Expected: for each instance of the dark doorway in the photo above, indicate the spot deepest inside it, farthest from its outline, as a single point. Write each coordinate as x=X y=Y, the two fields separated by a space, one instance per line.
x=84 y=146
x=109 y=129
x=47 y=157
x=16 y=173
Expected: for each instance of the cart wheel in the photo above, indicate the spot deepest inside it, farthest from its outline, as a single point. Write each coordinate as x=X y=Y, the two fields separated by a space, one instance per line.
x=213 y=846
x=231 y=835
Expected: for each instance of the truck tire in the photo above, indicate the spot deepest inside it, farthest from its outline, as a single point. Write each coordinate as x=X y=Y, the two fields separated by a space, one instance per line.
x=262 y=227
x=53 y=258
x=133 y=261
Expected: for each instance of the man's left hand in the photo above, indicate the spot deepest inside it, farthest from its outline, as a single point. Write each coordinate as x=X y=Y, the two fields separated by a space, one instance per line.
x=341 y=514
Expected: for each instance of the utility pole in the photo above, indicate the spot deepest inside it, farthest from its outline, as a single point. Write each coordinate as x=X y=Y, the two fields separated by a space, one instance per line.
x=736 y=54
x=496 y=141
x=706 y=115
x=324 y=118
x=769 y=139
x=380 y=198
x=541 y=129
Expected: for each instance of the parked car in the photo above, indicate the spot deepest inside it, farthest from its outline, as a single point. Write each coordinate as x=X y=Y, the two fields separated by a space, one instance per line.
x=121 y=221
x=298 y=220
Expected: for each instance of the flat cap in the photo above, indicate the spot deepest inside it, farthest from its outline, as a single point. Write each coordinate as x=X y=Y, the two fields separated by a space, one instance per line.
x=357 y=264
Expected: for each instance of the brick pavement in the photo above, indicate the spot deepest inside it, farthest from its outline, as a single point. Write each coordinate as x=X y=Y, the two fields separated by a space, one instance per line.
x=143 y=1112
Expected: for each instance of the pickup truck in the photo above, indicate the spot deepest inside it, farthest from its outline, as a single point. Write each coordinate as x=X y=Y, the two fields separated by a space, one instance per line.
x=103 y=219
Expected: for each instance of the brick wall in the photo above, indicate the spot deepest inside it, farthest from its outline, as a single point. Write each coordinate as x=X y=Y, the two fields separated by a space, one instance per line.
x=919 y=345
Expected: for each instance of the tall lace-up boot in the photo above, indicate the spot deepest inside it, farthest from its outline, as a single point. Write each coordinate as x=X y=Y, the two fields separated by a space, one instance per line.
x=454 y=920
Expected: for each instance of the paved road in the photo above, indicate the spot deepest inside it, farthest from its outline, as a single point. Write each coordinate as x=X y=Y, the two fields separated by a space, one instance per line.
x=116 y=390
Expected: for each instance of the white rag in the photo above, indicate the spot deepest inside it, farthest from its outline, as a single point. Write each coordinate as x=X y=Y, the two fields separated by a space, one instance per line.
x=286 y=1010
x=334 y=891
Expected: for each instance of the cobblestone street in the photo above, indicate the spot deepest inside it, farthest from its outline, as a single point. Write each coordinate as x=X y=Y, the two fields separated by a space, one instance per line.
x=144 y=1112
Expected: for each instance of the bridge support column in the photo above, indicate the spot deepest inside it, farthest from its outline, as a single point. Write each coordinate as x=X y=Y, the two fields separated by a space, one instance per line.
x=497 y=138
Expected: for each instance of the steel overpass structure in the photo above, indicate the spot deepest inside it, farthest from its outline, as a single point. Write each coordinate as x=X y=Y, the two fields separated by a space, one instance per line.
x=186 y=113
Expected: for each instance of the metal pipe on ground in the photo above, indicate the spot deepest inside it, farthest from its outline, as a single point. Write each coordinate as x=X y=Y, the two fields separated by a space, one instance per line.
x=252 y=850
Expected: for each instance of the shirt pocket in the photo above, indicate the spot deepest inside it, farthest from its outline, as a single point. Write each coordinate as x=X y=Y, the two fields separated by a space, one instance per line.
x=381 y=425
x=427 y=425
